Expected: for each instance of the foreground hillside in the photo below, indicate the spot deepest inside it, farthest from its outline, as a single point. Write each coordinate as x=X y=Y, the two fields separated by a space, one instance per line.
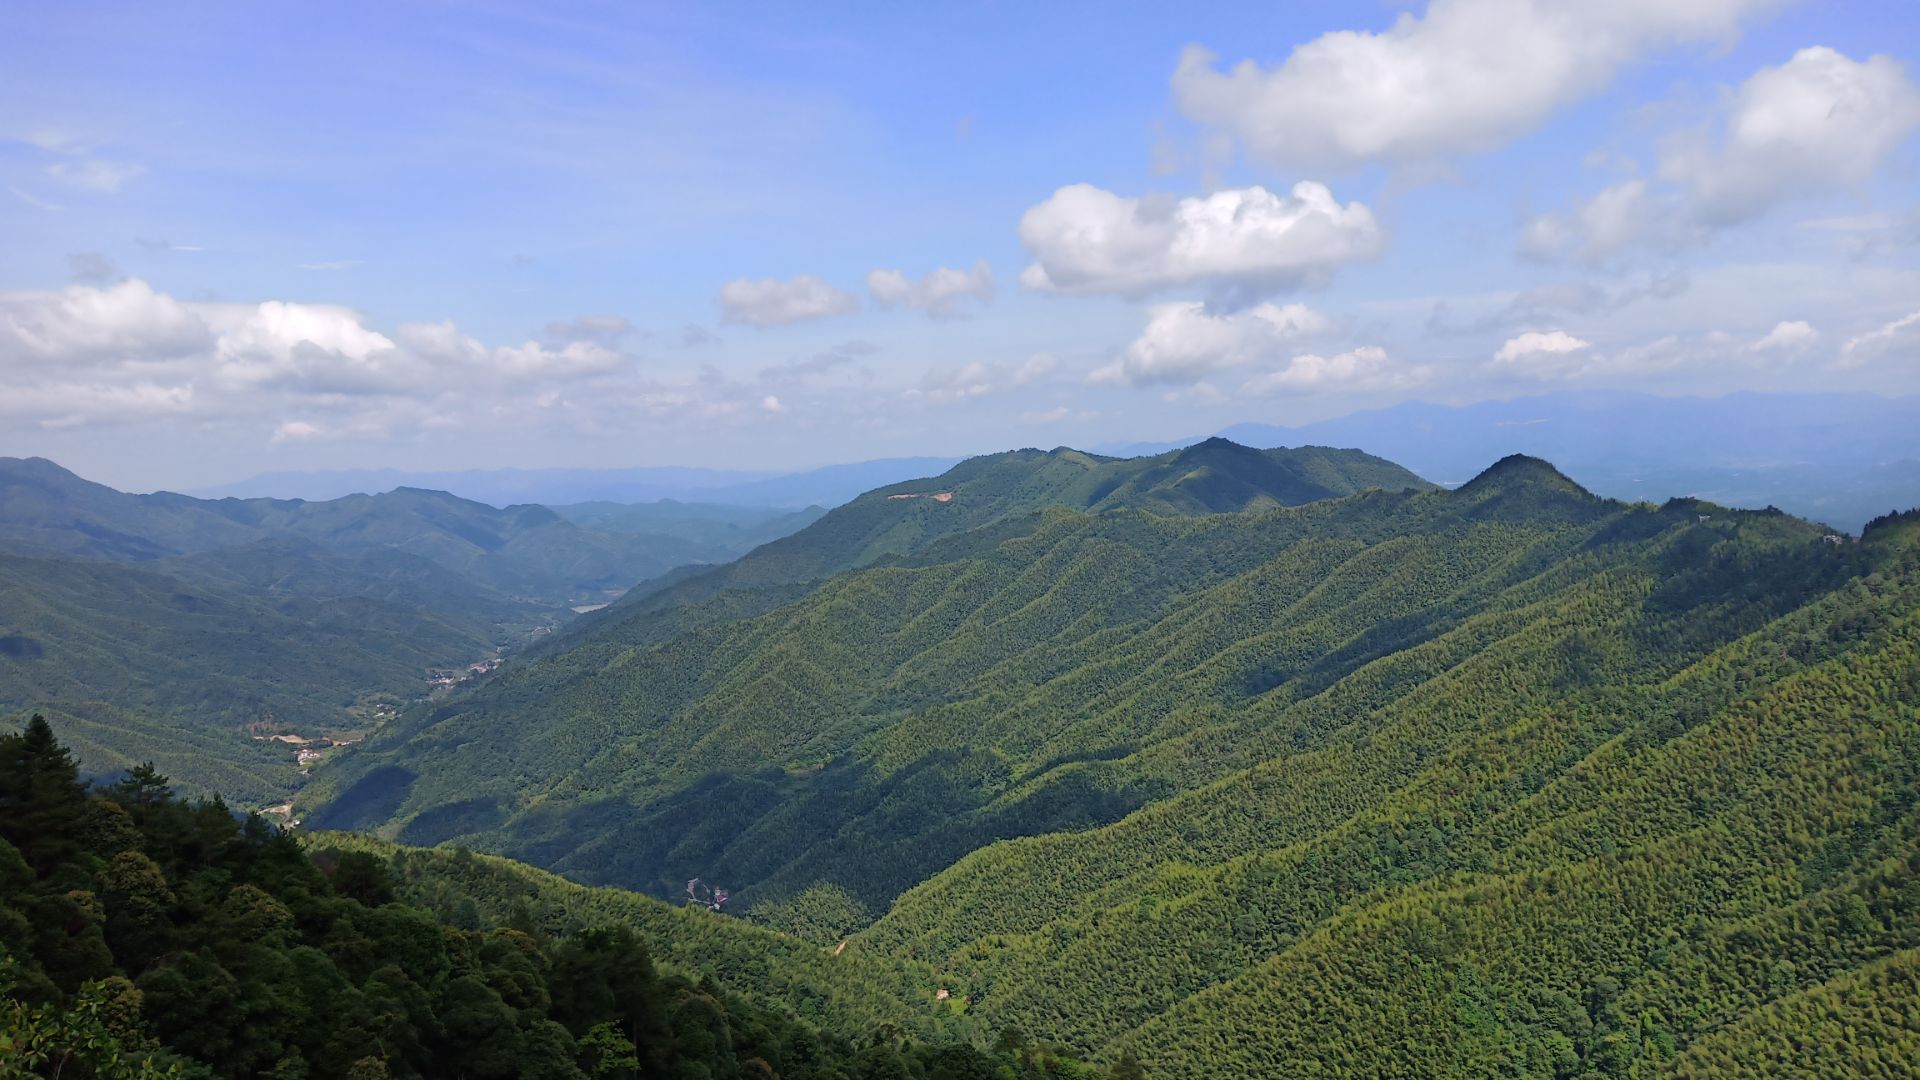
x=142 y=936
x=1505 y=780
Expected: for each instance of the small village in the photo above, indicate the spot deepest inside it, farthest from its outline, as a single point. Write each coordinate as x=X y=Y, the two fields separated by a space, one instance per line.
x=309 y=751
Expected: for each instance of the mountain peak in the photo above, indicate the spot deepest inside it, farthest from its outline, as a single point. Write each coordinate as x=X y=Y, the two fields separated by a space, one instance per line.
x=1217 y=444
x=1522 y=471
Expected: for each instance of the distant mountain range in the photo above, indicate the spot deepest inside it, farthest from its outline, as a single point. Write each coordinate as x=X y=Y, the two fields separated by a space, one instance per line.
x=1837 y=458
x=1254 y=763
x=1231 y=761
x=524 y=552
x=167 y=628
x=829 y=486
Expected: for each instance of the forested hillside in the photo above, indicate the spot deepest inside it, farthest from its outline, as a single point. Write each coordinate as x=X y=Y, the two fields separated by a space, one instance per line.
x=1051 y=672
x=143 y=936
x=183 y=631
x=176 y=668
x=1212 y=477
x=1502 y=780
x=722 y=532
x=1137 y=759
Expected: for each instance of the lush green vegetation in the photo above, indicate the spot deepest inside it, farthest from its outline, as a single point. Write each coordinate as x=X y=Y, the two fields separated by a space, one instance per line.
x=1508 y=780
x=152 y=666
x=720 y=532
x=144 y=936
x=1144 y=761
x=168 y=629
x=1212 y=477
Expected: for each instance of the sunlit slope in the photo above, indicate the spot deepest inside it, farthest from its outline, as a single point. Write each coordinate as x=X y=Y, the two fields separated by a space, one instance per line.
x=1215 y=476
x=1685 y=878
x=1059 y=672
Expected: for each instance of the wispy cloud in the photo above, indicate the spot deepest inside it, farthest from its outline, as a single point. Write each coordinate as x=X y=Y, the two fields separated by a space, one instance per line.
x=33 y=200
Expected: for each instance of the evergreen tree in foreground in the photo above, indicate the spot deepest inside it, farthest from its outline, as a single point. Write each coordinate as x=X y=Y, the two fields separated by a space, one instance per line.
x=145 y=936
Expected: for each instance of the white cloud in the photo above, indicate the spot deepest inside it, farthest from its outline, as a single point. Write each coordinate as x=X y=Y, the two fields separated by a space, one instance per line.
x=1533 y=345
x=771 y=302
x=1818 y=123
x=451 y=354
x=59 y=403
x=1364 y=368
x=95 y=174
x=939 y=292
x=1788 y=337
x=1901 y=337
x=772 y=404
x=981 y=378
x=1465 y=75
x=1247 y=241
x=296 y=431
x=83 y=324
x=124 y=351
x=1184 y=342
x=33 y=200
x=1037 y=367
x=972 y=380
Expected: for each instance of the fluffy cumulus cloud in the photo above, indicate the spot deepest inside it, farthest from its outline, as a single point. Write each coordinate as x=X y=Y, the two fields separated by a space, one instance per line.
x=1818 y=123
x=1788 y=337
x=1243 y=242
x=88 y=354
x=1185 y=342
x=772 y=302
x=1792 y=349
x=1535 y=346
x=1464 y=75
x=1366 y=368
x=84 y=324
x=942 y=292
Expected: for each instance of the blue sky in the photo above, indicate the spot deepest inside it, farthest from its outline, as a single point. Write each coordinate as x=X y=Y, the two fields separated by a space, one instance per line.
x=247 y=236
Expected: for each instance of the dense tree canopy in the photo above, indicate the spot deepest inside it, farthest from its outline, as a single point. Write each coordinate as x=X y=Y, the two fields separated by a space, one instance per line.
x=142 y=935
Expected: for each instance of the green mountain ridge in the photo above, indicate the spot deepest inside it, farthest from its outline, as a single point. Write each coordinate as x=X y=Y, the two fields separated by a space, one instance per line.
x=1215 y=476
x=1142 y=758
x=1417 y=783
x=524 y=552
